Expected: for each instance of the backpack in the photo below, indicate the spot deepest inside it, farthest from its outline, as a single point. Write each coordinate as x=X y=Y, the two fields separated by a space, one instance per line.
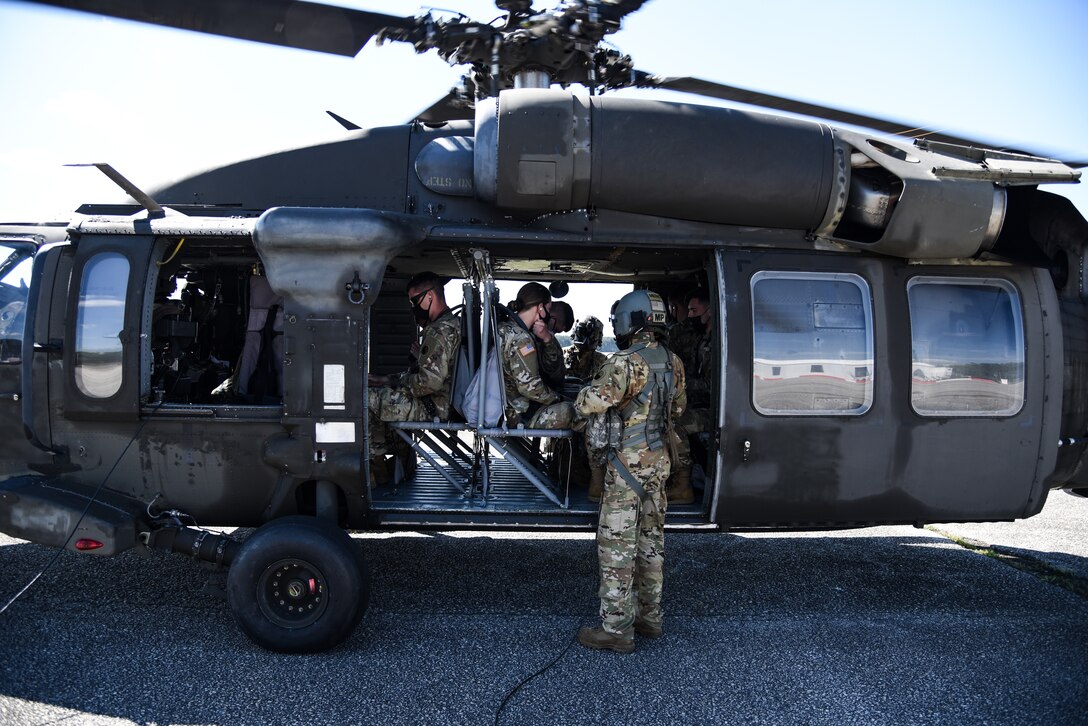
x=604 y=432
x=460 y=382
x=493 y=404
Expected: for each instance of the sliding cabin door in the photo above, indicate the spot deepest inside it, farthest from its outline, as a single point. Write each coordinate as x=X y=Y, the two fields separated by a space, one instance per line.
x=863 y=390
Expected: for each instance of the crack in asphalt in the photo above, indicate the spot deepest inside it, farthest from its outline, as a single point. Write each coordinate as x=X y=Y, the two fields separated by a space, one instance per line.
x=1025 y=563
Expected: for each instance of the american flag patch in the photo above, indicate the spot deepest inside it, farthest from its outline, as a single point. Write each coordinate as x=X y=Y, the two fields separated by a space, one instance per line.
x=526 y=349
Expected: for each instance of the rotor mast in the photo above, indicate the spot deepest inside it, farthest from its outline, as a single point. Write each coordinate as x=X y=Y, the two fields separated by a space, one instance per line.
x=532 y=79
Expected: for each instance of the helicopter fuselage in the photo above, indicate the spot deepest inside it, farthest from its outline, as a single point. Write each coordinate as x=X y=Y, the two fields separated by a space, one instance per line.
x=899 y=328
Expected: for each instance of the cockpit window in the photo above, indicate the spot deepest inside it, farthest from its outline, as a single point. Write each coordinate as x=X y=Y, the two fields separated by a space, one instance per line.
x=15 y=264
x=100 y=320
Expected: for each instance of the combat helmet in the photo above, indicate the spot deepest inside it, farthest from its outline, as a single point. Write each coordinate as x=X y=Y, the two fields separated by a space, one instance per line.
x=638 y=310
x=588 y=333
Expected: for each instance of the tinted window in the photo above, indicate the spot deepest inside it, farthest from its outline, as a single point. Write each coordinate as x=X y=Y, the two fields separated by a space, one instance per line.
x=100 y=318
x=812 y=343
x=967 y=340
x=15 y=264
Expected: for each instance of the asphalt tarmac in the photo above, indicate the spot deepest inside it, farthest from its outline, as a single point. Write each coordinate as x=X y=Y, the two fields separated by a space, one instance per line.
x=890 y=625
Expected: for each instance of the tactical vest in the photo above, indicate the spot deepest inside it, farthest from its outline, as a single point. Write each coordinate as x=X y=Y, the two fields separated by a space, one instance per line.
x=656 y=394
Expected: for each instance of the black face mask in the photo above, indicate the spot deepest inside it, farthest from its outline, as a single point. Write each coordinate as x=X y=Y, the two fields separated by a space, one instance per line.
x=422 y=316
x=545 y=316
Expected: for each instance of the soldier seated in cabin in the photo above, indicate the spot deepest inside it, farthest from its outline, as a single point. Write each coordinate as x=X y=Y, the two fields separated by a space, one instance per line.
x=258 y=377
x=702 y=375
x=683 y=332
x=421 y=393
x=529 y=400
x=560 y=320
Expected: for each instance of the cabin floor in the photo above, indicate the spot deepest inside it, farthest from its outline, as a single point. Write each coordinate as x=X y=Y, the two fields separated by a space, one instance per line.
x=425 y=498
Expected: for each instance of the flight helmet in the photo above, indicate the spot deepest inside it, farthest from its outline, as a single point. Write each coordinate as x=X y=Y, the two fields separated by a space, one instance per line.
x=588 y=333
x=637 y=311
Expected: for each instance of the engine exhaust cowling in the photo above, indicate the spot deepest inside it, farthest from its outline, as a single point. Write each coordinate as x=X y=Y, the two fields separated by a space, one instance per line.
x=550 y=150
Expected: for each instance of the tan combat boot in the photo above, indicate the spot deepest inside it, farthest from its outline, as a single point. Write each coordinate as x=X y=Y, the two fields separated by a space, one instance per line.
x=679 y=489
x=596 y=482
x=600 y=639
x=648 y=630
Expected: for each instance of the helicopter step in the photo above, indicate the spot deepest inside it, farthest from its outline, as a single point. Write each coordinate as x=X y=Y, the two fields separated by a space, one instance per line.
x=63 y=514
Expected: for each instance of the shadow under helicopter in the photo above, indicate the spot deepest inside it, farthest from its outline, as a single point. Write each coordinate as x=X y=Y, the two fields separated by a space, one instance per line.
x=810 y=627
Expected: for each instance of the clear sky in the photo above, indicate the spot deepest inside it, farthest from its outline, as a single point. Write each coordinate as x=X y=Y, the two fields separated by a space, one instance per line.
x=157 y=103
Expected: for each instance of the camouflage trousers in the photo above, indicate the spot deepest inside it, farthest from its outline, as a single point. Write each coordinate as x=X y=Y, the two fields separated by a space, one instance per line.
x=553 y=416
x=559 y=415
x=692 y=421
x=631 y=542
x=390 y=404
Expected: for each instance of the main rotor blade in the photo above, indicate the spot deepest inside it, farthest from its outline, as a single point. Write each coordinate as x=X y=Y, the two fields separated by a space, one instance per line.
x=711 y=89
x=305 y=25
x=619 y=9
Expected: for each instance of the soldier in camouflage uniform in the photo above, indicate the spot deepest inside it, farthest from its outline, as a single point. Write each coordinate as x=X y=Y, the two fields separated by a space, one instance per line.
x=644 y=382
x=560 y=320
x=421 y=393
x=684 y=332
x=582 y=358
x=529 y=400
x=702 y=375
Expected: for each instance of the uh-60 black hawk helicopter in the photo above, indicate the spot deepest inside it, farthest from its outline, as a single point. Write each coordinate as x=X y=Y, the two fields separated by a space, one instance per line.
x=901 y=323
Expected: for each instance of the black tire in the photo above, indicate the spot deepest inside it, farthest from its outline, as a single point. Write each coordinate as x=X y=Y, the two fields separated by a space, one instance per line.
x=299 y=585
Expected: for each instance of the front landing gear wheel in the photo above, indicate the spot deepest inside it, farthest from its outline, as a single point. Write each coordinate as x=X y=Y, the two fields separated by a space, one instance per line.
x=299 y=585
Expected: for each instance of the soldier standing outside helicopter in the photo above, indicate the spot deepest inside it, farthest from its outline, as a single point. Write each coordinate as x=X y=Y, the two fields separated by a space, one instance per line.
x=644 y=385
x=421 y=393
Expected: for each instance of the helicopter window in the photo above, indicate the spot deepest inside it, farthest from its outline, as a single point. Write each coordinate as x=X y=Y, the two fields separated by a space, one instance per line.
x=100 y=318
x=812 y=337
x=967 y=339
x=19 y=275
x=15 y=264
x=215 y=328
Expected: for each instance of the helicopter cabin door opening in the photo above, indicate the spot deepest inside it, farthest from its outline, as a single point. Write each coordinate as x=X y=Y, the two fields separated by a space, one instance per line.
x=476 y=475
